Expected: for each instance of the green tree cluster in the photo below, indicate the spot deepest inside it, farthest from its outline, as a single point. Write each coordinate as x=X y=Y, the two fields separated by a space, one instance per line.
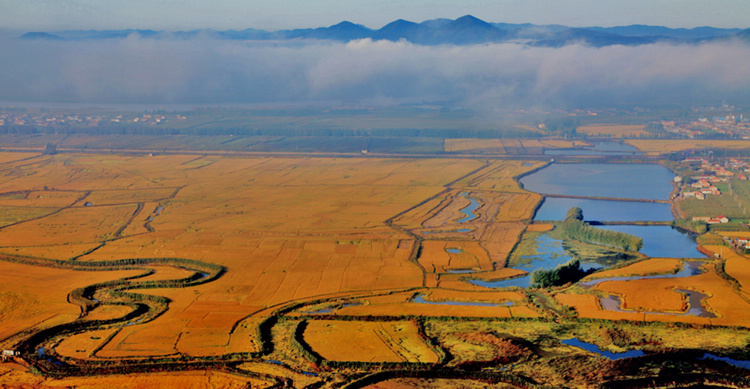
x=575 y=228
x=561 y=275
x=697 y=226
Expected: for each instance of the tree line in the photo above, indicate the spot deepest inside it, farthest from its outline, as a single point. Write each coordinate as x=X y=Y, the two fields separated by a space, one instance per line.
x=575 y=228
x=140 y=129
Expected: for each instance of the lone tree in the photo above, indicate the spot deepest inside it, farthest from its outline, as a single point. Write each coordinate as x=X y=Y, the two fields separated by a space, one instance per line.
x=50 y=149
x=574 y=213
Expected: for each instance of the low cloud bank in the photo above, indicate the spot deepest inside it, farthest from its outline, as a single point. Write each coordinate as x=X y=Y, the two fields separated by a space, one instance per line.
x=205 y=71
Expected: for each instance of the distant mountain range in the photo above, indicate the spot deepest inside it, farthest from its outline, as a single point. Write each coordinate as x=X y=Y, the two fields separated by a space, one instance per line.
x=462 y=31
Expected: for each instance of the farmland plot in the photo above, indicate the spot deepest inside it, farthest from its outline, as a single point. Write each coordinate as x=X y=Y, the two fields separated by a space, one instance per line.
x=660 y=299
x=492 y=304
x=658 y=146
x=499 y=176
x=368 y=341
x=613 y=130
x=71 y=225
x=269 y=221
x=36 y=297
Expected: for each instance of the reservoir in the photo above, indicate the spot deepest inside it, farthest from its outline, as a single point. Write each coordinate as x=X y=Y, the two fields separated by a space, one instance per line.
x=555 y=208
x=661 y=241
x=630 y=181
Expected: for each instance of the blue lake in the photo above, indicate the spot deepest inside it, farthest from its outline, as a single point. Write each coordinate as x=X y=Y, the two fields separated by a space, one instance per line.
x=662 y=241
x=555 y=208
x=631 y=181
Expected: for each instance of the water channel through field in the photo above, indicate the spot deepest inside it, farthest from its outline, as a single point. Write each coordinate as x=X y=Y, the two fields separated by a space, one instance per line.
x=469 y=210
x=607 y=354
x=631 y=181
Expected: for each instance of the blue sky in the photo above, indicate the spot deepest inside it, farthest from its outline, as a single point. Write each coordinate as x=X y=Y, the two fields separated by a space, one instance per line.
x=48 y=15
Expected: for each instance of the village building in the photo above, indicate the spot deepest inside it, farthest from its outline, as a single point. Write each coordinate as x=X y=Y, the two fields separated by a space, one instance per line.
x=9 y=354
x=718 y=220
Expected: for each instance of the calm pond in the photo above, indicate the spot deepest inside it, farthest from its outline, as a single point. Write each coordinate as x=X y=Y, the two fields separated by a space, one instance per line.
x=555 y=208
x=630 y=181
x=662 y=241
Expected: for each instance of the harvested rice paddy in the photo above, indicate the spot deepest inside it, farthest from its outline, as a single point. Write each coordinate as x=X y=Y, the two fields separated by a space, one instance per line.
x=316 y=261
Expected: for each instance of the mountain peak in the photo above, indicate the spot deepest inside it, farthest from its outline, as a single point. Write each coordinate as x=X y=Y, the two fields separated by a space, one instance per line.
x=470 y=20
x=465 y=30
x=348 y=26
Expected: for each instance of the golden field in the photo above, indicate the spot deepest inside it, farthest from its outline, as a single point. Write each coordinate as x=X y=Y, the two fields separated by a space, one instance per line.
x=403 y=304
x=16 y=376
x=613 y=130
x=659 y=146
x=327 y=242
x=659 y=300
x=397 y=341
x=504 y=146
x=643 y=268
x=498 y=176
x=408 y=383
x=540 y=227
x=735 y=265
x=485 y=145
x=286 y=229
x=36 y=297
x=442 y=256
x=497 y=297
